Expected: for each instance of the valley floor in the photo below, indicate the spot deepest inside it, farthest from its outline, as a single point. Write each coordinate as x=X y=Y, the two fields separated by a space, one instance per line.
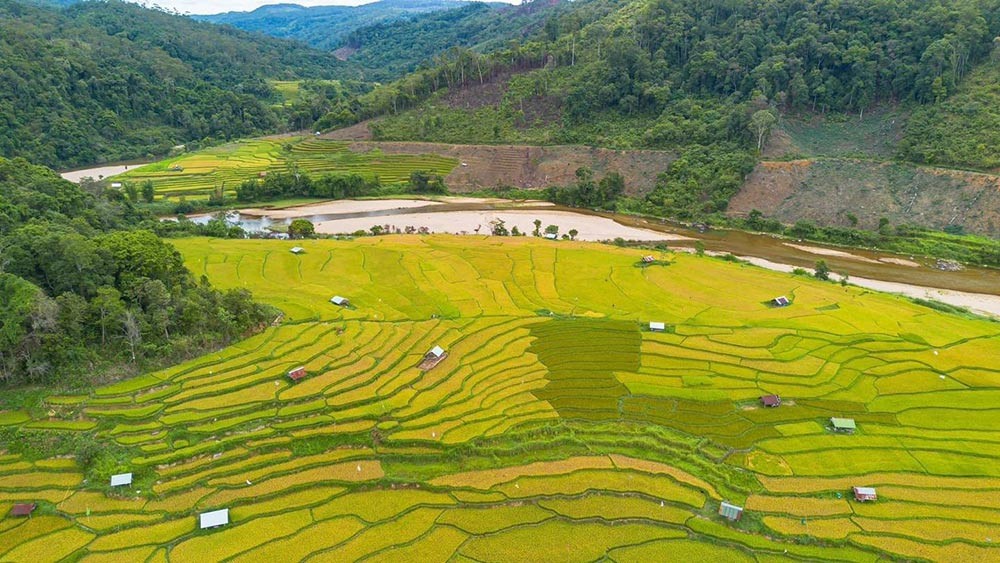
x=558 y=426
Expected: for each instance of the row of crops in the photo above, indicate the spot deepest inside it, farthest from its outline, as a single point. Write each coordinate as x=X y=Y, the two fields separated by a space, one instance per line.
x=200 y=174
x=558 y=427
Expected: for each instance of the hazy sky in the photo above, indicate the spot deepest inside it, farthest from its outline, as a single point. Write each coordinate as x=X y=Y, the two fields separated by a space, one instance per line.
x=216 y=6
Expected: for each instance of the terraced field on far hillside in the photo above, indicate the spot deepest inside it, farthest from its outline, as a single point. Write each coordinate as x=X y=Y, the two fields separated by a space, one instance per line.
x=200 y=173
x=557 y=428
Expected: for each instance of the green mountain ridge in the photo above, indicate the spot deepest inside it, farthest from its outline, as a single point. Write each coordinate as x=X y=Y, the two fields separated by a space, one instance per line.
x=101 y=81
x=325 y=27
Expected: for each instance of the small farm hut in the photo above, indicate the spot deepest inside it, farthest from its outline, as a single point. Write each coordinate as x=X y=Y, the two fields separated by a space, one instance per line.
x=340 y=301
x=116 y=185
x=730 y=511
x=298 y=250
x=781 y=301
x=657 y=326
x=865 y=494
x=551 y=236
x=648 y=259
x=297 y=373
x=23 y=509
x=121 y=480
x=214 y=519
x=262 y=174
x=845 y=425
x=433 y=358
x=770 y=401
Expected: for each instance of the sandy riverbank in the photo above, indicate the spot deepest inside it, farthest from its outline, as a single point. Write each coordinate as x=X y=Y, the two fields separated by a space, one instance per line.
x=96 y=173
x=590 y=228
x=829 y=252
x=344 y=206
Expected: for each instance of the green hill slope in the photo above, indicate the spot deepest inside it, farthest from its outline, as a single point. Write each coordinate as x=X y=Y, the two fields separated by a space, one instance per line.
x=102 y=81
x=325 y=27
x=963 y=129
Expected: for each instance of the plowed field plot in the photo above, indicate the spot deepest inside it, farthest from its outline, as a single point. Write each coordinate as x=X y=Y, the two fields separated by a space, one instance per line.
x=556 y=428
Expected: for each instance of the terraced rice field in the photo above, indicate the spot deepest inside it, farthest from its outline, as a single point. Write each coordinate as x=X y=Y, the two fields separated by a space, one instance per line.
x=199 y=174
x=558 y=428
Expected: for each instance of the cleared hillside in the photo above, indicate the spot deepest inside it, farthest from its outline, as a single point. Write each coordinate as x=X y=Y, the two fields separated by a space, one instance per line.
x=859 y=193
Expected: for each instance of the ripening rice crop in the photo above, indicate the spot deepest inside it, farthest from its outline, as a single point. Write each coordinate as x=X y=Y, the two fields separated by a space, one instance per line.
x=616 y=507
x=558 y=428
x=825 y=528
x=239 y=537
x=308 y=540
x=399 y=531
x=162 y=533
x=556 y=541
x=380 y=504
x=489 y=519
x=678 y=550
x=439 y=544
x=486 y=479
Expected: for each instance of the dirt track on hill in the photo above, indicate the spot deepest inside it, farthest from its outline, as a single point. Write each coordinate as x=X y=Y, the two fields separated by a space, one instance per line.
x=828 y=191
x=533 y=167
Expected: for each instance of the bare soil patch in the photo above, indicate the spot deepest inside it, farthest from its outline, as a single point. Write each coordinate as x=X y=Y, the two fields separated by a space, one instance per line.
x=768 y=186
x=828 y=252
x=475 y=96
x=831 y=191
x=356 y=132
x=533 y=167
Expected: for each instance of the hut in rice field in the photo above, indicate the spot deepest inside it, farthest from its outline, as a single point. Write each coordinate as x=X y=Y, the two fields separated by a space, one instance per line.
x=730 y=511
x=432 y=358
x=865 y=494
x=22 y=510
x=843 y=425
x=213 y=519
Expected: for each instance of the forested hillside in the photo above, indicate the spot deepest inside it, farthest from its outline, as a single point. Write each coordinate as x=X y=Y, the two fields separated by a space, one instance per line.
x=84 y=293
x=963 y=129
x=325 y=27
x=708 y=79
x=388 y=50
x=103 y=81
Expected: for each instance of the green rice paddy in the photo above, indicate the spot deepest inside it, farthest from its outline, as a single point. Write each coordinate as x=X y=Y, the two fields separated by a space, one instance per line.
x=200 y=173
x=558 y=428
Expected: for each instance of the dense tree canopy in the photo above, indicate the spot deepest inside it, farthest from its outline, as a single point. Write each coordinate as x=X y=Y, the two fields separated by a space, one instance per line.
x=81 y=296
x=102 y=81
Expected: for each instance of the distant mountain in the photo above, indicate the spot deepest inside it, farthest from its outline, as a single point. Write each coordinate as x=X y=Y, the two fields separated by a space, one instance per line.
x=389 y=38
x=325 y=27
x=388 y=50
x=111 y=80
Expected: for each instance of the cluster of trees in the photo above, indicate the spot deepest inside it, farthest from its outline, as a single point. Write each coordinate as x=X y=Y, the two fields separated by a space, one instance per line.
x=701 y=181
x=101 y=81
x=964 y=130
x=587 y=192
x=331 y=186
x=642 y=57
x=84 y=293
x=298 y=184
x=813 y=54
